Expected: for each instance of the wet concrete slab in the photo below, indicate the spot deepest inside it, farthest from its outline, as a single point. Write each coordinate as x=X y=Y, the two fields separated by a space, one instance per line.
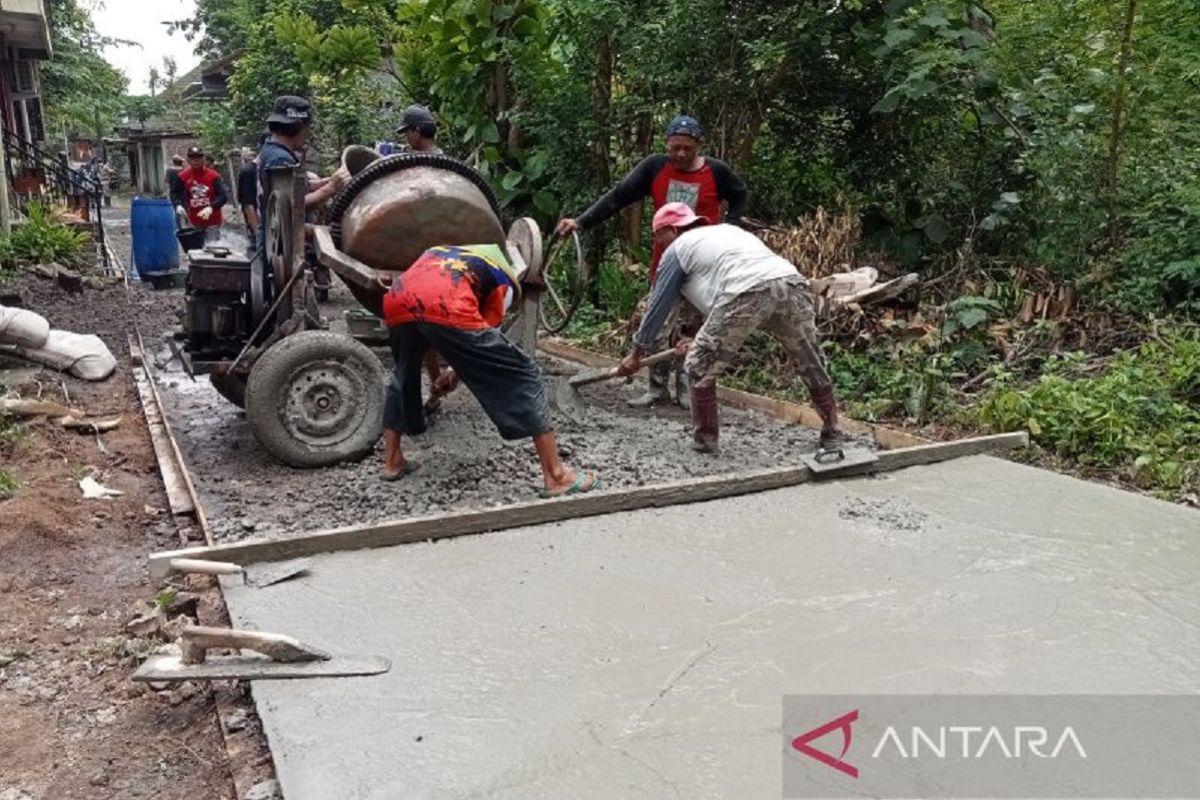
x=645 y=654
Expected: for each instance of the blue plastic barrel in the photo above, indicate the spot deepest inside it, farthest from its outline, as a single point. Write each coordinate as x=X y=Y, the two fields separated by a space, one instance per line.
x=155 y=248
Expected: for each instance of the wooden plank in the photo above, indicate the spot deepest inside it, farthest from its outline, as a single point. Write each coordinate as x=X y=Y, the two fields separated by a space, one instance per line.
x=173 y=467
x=465 y=523
x=177 y=495
x=886 y=438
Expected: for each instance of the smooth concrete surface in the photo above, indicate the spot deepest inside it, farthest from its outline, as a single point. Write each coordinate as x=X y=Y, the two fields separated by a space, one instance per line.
x=645 y=654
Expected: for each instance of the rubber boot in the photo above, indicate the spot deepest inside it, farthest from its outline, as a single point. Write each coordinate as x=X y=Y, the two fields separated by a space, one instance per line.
x=826 y=404
x=706 y=420
x=683 y=394
x=656 y=392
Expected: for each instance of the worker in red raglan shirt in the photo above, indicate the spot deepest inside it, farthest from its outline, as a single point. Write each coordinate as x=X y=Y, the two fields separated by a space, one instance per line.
x=203 y=194
x=681 y=175
x=453 y=300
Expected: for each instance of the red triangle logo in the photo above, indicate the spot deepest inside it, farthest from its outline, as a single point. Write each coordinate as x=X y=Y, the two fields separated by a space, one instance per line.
x=801 y=743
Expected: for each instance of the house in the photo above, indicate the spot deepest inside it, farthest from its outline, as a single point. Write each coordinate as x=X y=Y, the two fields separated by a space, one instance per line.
x=211 y=81
x=24 y=41
x=150 y=146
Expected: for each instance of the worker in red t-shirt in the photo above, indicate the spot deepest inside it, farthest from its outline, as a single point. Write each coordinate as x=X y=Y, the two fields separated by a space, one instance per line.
x=681 y=175
x=202 y=194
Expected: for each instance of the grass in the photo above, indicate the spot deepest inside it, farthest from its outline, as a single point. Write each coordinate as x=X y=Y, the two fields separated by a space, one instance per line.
x=8 y=484
x=10 y=434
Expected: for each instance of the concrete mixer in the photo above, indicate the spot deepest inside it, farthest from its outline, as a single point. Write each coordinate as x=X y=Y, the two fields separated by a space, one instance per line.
x=314 y=397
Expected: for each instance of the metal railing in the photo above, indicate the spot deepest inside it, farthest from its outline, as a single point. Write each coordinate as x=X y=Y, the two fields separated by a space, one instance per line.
x=36 y=175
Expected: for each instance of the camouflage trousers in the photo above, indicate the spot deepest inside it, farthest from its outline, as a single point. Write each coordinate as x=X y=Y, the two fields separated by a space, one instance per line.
x=781 y=307
x=684 y=320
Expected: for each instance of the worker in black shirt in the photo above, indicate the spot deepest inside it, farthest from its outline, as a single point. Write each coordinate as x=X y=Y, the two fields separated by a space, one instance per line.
x=247 y=193
x=680 y=175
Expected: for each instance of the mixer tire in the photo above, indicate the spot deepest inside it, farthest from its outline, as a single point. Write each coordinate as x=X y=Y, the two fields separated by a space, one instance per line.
x=231 y=387
x=315 y=399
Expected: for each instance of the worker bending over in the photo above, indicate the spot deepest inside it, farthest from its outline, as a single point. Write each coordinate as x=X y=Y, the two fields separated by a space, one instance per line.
x=453 y=299
x=740 y=285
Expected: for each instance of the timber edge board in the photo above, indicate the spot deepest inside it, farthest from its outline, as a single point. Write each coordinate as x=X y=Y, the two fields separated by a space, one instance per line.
x=886 y=438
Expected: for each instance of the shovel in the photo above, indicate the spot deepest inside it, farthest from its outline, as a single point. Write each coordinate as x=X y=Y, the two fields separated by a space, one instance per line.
x=566 y=393
x=259 y=577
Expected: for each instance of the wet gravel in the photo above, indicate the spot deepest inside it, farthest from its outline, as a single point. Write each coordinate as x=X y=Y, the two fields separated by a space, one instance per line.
x=464 y=463
x=890 y=513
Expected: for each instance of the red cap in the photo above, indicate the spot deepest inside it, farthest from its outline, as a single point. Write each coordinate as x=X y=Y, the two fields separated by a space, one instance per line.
x=676 y=215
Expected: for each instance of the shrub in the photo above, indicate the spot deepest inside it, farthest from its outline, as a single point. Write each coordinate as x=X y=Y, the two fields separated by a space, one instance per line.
x=41 y=239
x=1140 y=416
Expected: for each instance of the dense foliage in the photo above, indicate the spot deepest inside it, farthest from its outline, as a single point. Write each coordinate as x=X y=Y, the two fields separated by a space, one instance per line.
x=42 y=239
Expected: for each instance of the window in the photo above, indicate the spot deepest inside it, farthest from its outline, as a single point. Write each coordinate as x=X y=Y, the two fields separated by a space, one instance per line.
x=37 y=131
x=26 y=81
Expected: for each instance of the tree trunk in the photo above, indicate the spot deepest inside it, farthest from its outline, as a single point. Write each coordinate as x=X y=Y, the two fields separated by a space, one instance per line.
x=1119 y=101
x=601 y=159
x=633 y=215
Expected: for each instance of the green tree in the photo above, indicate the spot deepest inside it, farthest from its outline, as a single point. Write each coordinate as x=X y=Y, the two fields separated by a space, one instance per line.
x=77 y=83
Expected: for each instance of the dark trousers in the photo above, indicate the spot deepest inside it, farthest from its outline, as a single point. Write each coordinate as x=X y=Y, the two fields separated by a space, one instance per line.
x=505 y=381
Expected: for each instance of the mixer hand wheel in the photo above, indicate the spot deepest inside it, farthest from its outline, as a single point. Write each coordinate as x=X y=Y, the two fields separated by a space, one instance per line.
x=566 y=281
x=279 y=255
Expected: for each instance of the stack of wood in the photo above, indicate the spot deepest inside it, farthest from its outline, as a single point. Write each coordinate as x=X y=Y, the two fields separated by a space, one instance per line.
x=824 y=247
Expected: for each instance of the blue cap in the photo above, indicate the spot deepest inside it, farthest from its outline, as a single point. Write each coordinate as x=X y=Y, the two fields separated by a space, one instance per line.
x=683 y=125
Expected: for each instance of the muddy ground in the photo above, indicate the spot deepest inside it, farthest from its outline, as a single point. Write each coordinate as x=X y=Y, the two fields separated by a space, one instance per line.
x=72 y=575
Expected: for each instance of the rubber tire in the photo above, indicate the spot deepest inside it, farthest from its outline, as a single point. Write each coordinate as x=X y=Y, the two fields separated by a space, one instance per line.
x=269 y=377
x=231 y=387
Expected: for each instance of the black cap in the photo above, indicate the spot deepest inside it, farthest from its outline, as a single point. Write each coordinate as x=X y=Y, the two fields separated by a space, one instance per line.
x=415 y=115
x=195 y=151
x=291 y=110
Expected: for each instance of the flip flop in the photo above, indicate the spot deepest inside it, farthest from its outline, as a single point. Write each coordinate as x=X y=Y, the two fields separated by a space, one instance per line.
x=409 y=468
x=580 y=486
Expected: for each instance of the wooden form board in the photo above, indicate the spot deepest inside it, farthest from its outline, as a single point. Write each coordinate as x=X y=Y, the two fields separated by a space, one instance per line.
x=465 y=523
x=177 y=495
x=886 y=438
x=181 y=492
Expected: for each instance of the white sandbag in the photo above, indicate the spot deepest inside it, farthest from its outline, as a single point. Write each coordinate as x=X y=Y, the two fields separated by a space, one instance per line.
x=83 y=355
x=23 y=328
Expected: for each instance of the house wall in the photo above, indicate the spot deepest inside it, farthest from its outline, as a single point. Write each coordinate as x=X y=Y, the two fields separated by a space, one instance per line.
x=177 y=147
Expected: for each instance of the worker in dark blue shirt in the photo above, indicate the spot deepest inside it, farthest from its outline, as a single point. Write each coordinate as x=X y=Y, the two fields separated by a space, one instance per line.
x=247 y=193
x=290 y=125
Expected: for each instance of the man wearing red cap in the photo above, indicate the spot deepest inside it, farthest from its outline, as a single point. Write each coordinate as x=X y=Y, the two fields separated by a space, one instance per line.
x=740 y=286
x=202 y=194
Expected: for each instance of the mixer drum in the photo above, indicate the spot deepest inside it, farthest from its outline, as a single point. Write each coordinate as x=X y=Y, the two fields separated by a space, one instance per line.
x=396 y=208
